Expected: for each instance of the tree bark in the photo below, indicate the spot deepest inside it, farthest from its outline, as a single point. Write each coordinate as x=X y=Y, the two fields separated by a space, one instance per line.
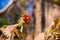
x=51 y=12
x=37 y=13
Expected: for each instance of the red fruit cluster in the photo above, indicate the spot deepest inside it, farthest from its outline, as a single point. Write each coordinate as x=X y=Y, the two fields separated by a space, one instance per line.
x=25 y=17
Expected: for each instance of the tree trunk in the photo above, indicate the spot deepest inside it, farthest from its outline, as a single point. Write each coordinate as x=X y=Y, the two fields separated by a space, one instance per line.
x=51 y=12
x=37 y=13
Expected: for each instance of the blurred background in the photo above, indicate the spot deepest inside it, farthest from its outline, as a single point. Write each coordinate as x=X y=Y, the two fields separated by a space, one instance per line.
x=41 y=13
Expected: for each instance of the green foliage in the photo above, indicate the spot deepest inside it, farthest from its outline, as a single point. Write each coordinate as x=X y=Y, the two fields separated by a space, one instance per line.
x=3 y=21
